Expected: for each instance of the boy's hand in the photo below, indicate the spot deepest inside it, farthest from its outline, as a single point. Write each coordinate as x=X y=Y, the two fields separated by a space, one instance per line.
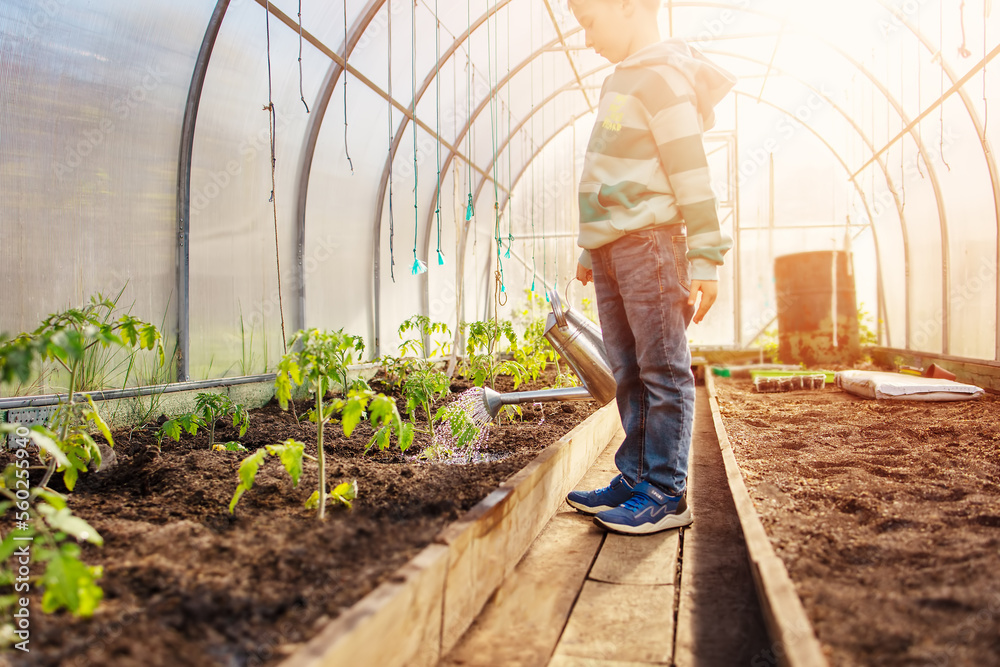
x=583 y=274
x=709 y=292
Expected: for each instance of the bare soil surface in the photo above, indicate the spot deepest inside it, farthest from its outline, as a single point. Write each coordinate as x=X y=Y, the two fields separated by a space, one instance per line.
x=186 y=583
x=886 y=514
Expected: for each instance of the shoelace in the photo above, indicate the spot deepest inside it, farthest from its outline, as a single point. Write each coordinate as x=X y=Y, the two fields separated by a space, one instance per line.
x=636 y=501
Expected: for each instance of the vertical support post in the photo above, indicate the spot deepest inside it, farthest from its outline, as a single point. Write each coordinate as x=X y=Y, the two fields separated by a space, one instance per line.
x=737 y=292
x=184 y=190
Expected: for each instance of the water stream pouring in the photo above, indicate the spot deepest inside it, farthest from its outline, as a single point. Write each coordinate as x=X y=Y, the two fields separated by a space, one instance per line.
x=578 y=341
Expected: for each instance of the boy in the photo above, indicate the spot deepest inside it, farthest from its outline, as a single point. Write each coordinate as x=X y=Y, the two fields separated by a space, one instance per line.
x=644 y=180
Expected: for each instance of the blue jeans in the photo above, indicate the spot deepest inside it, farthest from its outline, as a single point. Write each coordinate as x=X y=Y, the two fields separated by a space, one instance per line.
x=643 y=284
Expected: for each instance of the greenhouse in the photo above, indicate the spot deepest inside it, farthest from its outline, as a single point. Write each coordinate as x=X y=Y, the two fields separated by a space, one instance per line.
x=358 y=315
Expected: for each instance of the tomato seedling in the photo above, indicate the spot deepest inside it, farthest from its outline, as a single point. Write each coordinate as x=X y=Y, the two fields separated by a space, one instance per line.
x=209 y=409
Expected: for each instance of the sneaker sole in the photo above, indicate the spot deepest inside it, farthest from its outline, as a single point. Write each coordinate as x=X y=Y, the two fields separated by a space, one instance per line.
x=586 y=509
x=686 y=518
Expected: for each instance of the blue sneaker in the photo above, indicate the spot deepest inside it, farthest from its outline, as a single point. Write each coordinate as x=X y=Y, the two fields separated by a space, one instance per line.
x=599 y=500
x=649 y=510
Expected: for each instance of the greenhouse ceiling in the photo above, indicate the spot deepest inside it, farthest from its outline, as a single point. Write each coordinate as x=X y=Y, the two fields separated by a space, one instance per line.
x=247 y=168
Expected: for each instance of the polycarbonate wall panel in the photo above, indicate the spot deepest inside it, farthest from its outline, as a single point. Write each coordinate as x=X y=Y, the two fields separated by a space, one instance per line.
x=234 y=284
x=91 y=101
x=93 y=97
x=340 y=211
x=972 y=238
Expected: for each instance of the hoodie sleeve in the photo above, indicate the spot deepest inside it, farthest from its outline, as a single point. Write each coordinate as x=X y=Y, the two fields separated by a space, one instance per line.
x=677 y=130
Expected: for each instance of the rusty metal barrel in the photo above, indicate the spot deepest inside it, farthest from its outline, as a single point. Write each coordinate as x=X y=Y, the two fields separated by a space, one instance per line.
x=817 y=308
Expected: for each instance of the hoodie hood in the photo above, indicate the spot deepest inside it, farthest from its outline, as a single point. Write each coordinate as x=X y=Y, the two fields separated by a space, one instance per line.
x=710 y=82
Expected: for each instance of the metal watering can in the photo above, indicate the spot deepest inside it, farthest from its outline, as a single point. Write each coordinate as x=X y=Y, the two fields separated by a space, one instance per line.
x=578 y=341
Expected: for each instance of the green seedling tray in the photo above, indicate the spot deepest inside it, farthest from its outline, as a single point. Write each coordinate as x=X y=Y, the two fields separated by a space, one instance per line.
x=830 y=375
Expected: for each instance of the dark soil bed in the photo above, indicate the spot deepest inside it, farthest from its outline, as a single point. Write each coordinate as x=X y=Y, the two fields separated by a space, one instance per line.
x=886 y=514
x=186 y=583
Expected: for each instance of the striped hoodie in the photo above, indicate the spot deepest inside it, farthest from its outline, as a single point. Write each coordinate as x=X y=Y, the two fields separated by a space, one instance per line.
x=646 y=163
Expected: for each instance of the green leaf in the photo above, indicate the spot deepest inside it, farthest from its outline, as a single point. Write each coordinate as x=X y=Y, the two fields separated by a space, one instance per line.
x=240 y=490
x=9 y=545
x=55 y=350
x=345 y=492
x=148 y=337
x=16 y=357
x=290 y=453
x=282 y=390
x=70 y=476
x=128 y=330
x=382 y=437
x=241 y=418
x=190 y=423
x=45 y=440
x=70 y=584
x=250 y=466
x=382 y=409
x=57 y=500
x=64 y=520
x=106 y=336
x=312 y=502
x=353 y=412
x=405 y=436
x=95 y=418
x=172 y=429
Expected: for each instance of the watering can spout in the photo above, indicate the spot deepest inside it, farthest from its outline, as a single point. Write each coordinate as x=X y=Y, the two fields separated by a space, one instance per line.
x=578 y=341
x=494 y=401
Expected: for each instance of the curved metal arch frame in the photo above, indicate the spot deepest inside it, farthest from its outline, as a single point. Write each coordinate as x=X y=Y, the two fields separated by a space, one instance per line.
x=847 y=169
x=391 y=156
x=914 y=135
x=185 y=154
x=815 y=133
x=888 y=179
x=567 y=87
x=935 y=185
x=337 y=67
x=846 y=116
x=316 y=118
x=920 y=148
x=984 y=141
x=555 y=133
x=896 y=106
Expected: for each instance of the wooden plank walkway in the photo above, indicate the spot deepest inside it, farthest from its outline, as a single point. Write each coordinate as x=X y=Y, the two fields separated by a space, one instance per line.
x=581 y=597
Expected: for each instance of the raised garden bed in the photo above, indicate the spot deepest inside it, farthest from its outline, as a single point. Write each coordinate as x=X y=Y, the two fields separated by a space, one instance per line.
x=885 y=514
x=187 y=583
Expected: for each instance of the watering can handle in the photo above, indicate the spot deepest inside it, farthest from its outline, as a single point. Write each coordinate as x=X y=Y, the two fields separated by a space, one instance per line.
x=557 y=309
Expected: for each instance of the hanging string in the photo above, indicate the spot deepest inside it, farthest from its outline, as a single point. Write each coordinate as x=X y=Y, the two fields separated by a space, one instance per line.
x=941 y=85
x=492 y=60
x=531 y=43
x=902 y=150
x=437 y=129
x=469 y=211
x=302 y=93
x=872 y=113
x=347 y=150
x=392 y=225
x=273 y=129
x=920 y=104
x=987 y=7
x=418 y=266
x=510 y=115
x=962 y=49
x=545 y=244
